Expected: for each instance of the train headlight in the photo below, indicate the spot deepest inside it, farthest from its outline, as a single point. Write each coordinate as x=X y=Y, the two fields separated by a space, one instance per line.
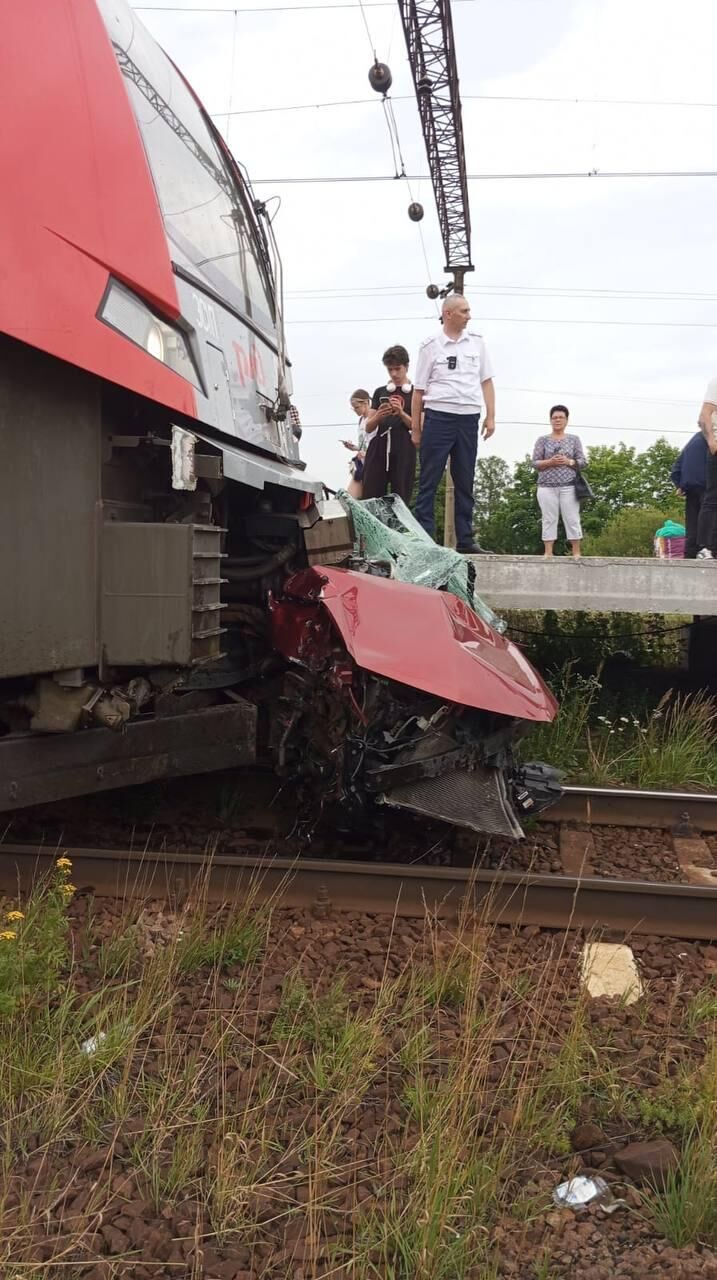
x=130 y=316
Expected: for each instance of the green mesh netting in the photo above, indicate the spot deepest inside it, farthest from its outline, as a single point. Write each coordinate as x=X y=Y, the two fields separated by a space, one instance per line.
x=386 y=530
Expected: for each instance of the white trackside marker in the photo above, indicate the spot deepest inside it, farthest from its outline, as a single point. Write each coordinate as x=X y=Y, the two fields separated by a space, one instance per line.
x=609 y=969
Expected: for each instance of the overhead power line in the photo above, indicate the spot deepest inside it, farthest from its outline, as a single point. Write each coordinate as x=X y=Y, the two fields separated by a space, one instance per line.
x=281 y=8
x=550 y=394
x=473 y=97
x=639 y=324
x=509 y=290
x=492 y=177
x=624 y=429
x=478 y=291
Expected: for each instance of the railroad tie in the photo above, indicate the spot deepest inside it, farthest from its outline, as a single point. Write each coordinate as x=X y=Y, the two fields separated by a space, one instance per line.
x=576 y=848
x=695 y=860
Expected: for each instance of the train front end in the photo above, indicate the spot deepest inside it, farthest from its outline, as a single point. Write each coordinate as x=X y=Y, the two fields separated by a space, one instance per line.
x=169 y=591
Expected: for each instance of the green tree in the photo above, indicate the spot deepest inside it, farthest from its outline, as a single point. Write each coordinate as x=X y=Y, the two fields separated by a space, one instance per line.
x=654 y=466
x=492 y=481
x=513 y=527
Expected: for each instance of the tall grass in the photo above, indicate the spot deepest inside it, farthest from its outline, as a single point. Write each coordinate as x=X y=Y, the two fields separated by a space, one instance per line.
x=684 y=1210
x=563 y=741
x=674 y=745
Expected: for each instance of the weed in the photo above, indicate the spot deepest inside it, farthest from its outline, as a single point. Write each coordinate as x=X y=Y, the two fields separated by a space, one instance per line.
x=448 y=984
x=671 y=746
x=170 y=1156
x=316 y=1021
x=542 y=1267
x=34 y=943
x=549 y=1110
x=238 y=940
x=416 y=1049
x=562 y=742
x=118 y=953
x=422 y=1100
x=677 y=746
x=685 y=1210
x=701 y=1009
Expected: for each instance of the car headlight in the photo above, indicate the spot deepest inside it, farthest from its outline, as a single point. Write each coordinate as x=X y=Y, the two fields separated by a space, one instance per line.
x=130 y=316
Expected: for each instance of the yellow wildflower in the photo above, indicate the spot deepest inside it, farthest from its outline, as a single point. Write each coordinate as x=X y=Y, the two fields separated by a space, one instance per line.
x=63 y=863
x=15 y=915
x=67 y=888
x=7 y=935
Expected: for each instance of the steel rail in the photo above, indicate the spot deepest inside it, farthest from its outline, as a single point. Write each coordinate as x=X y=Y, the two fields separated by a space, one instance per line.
x=623 y=807
x=502 y=897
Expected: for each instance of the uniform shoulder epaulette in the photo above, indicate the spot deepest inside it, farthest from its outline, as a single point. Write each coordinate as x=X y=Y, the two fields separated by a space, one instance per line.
x=472 y=334
x=426 y=342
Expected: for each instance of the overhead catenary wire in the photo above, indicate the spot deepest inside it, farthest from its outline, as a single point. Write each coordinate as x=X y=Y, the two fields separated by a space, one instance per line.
x=569 y=320
x=281 y=8
x=477 y=97
x=573 y=395
x=230 y=112
x=623 y=428
x=372 y=46
x=328 y=294
x=393 y=131
x=576 y=174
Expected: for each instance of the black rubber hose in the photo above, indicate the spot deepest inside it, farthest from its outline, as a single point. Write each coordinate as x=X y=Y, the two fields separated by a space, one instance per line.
x=260 y=570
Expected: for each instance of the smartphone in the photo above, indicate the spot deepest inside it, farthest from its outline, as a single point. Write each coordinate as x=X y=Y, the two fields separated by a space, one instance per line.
x=383 y=399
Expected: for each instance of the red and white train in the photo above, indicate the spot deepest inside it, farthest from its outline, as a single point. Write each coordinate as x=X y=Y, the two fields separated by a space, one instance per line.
x=166 y=605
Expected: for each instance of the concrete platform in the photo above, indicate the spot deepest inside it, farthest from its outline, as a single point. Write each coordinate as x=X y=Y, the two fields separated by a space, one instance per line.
x=604 y=584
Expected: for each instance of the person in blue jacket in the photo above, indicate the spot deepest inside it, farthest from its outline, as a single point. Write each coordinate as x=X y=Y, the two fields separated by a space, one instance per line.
x=689 y=476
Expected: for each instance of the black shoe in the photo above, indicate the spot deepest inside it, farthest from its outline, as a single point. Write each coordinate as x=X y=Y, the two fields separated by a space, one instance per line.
x=473 y=549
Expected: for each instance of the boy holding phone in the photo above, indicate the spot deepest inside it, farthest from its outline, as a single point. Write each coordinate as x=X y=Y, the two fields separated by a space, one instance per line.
x=390 y=462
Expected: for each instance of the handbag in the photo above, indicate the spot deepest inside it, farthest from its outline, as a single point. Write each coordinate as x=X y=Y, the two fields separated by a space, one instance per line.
x=583 y=492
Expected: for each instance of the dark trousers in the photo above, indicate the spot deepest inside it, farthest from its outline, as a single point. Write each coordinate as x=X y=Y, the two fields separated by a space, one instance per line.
x=401 y=468
x=707 y=523
x=693 y=506
x=454 y=436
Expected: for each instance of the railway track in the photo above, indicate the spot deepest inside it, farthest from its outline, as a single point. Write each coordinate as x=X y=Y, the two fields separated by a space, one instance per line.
x=610 y=806
x=684 y=910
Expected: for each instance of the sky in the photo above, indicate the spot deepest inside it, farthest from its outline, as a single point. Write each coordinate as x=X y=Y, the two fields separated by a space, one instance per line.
x=599 y=292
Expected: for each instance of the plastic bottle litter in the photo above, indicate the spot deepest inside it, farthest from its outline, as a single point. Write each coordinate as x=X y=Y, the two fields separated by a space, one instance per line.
x=578 y=1192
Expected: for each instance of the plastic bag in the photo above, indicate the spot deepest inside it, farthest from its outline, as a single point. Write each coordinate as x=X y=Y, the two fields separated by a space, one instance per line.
x=385 y=530
x=671 y=529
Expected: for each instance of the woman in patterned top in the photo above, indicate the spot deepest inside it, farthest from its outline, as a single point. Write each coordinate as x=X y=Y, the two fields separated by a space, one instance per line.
x=556 y=458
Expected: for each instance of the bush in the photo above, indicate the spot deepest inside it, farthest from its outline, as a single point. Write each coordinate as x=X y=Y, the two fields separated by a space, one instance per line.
x=631 y=532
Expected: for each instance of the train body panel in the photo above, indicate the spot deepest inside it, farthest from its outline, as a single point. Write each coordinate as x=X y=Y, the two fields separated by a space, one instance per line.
x=114 y=170
x=81 y=206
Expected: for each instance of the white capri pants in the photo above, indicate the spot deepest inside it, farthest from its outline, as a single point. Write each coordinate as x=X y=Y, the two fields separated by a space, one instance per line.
x=560 y=501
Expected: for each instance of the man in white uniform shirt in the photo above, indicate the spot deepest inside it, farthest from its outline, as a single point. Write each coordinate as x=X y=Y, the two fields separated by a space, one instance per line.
x=707 y=523
x=452 y=380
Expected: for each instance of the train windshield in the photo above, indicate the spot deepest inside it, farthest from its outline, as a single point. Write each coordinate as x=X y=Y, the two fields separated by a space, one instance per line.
x=205 y=207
